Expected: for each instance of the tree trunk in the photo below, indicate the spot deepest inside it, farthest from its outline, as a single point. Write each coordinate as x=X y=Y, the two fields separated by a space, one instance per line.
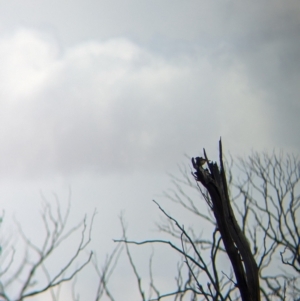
x=235 y=242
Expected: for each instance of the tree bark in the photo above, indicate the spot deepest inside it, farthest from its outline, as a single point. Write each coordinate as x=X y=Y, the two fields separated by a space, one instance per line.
x=235 y=242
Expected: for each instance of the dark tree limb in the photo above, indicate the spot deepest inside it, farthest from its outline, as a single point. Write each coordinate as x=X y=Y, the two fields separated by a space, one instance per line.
x=235 y=242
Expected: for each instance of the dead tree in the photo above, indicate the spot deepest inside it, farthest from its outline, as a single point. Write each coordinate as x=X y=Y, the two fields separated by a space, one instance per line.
x=263 y=246
x=269 y=190
x=30 y=277
x=234 y=240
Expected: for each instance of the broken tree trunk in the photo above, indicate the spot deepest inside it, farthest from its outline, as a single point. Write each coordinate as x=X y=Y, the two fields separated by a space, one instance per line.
x=234 y=240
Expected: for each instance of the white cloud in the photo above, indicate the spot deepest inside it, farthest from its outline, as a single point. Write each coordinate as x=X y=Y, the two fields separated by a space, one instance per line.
x=26 y=58
x=115 y=106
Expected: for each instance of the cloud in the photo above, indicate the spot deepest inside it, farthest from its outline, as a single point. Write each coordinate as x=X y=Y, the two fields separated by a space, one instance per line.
x=91 y=109
x=114 y=106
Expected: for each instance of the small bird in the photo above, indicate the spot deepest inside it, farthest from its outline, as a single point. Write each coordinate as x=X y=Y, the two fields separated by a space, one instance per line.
x=200 y=161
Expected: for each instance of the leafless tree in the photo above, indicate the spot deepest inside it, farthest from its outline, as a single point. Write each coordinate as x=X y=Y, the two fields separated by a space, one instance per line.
x=105 y=272
x=254 y=225
x=270 y=194
x=30 y=276
x=246 y=245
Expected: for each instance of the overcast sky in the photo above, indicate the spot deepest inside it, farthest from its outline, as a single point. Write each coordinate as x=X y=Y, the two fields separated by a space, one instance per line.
x=107 y=97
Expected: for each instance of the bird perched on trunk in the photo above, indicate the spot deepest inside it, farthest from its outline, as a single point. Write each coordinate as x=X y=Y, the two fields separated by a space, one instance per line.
x=200 y=161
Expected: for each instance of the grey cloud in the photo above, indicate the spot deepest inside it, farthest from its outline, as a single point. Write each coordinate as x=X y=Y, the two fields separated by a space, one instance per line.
x=115 y=105
x=193 y=21
x=104 y=111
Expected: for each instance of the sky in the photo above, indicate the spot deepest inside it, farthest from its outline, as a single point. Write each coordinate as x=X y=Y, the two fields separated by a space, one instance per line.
x=106 y=98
